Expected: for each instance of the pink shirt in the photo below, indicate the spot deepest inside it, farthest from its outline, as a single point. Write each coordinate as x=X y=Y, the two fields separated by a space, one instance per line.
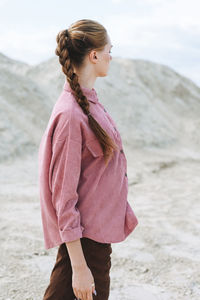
x=79 y=195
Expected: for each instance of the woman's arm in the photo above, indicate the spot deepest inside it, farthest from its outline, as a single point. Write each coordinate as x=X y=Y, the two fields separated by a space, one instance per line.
x=76 y=255
x=82 y=277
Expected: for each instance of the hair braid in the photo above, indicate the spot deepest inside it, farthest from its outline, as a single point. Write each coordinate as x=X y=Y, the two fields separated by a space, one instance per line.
x=64 y=50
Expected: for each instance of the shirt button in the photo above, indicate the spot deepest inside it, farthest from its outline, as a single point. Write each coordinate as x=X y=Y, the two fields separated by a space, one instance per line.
x=126 y=174
x=104 y=109
x=115 y=128
x=121 y=151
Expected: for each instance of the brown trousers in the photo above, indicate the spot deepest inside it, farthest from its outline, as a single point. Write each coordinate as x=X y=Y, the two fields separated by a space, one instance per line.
x=98 y=259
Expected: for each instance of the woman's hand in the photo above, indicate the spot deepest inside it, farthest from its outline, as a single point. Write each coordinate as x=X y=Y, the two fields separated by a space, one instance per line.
x=82 y=280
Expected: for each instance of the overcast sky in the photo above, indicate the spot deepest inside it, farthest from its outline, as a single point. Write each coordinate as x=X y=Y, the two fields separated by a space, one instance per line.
x=163 y=31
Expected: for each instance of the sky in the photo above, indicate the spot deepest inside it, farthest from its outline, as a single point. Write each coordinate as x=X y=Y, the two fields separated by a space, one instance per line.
x=161 y=31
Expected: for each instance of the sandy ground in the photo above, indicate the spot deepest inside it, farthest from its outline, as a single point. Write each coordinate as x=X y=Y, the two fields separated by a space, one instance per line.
x=159 y=260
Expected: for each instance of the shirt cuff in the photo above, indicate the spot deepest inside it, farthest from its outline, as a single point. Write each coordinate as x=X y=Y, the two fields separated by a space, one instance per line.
x=69 y=235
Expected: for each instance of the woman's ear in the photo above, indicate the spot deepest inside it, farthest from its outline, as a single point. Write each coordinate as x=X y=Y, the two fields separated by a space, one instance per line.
x=93 y=56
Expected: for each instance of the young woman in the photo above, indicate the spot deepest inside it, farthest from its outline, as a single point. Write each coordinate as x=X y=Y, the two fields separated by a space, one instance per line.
x=83 y=172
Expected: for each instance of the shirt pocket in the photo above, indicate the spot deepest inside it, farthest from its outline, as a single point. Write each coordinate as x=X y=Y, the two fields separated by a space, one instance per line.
x=94 y=147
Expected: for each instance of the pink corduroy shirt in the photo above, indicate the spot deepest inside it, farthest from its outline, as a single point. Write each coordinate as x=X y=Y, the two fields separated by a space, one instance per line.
x=79 y=195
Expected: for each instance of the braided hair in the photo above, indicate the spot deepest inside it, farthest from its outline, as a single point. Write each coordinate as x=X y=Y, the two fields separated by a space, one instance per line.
x=73 y=45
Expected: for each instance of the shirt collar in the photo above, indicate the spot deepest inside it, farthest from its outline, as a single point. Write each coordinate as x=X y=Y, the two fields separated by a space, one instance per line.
x=89 y=93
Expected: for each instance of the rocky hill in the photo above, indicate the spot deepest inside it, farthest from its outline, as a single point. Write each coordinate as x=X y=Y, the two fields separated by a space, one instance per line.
x=153 y=106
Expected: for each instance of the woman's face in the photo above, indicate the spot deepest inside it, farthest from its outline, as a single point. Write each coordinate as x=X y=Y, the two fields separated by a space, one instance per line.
x=103 y=59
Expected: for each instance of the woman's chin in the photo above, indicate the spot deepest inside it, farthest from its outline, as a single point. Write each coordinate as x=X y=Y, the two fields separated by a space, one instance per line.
x=102 y=74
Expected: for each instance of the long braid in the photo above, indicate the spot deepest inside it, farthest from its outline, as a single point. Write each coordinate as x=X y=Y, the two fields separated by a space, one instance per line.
x=64 y=42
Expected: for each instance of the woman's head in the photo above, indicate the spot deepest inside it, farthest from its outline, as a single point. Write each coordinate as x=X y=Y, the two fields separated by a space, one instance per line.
x=86 y=44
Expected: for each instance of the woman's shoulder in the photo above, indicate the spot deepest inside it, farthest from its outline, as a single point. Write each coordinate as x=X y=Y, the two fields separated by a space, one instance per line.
x=66 y=118
x=67 y=105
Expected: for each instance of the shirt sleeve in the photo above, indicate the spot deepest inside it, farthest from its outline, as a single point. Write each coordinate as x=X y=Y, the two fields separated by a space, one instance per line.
x=64 y=177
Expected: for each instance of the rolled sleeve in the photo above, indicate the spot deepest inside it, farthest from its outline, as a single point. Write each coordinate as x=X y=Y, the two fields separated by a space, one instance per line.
x=63 y=180
x=71 y=234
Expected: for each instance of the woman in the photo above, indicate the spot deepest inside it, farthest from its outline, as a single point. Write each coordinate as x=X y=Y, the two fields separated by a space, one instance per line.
x=82 y=172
